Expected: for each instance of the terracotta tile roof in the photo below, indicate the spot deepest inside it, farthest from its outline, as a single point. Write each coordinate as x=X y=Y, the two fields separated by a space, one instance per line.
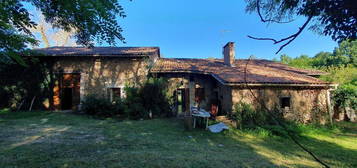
x=292 y=69
x=98 y=51
x=258 y=71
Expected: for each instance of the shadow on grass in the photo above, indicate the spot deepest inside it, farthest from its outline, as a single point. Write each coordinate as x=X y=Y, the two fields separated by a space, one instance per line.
x=93 y=143
x=73 y=140
x=7 y=114
x=332 y=153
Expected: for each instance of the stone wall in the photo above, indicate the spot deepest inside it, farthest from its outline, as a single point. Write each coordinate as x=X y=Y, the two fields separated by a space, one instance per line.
x=306 y=104
x=99 y=74
x=192 y=81
x=225 y=98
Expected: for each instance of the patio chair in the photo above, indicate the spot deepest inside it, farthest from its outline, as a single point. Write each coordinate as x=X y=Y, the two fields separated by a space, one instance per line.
x=214 y=111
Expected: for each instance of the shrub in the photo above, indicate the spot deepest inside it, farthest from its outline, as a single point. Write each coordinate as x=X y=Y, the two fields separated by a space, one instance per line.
x=246 y=116
x=97 y=106
x=345 y=95
x=154 y=97
x=151 y=99
x=133 y=106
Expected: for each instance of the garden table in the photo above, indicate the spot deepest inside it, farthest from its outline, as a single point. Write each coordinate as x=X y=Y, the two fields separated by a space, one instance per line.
x=203 y=114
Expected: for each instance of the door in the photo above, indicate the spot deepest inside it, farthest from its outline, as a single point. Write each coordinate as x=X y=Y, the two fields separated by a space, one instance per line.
x=69 y=89
x=179 y=99
x=67 y=95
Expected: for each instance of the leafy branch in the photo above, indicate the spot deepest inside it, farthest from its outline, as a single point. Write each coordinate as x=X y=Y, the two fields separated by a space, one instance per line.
x=268 y=20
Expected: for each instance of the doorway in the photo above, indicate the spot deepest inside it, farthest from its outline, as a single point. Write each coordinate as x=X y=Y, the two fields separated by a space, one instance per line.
x=67 y=95
x=182 y=100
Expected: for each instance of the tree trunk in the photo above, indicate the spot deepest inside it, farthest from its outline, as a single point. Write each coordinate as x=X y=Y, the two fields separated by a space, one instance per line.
x=33 y=99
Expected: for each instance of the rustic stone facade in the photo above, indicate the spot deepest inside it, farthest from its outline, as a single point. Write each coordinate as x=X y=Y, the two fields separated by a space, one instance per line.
x=98 y=75
x=305 y=104
x=209 y=83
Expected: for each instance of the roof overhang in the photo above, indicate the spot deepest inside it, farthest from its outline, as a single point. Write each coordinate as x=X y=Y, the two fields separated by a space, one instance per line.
x=323 y=85
x=96 y=52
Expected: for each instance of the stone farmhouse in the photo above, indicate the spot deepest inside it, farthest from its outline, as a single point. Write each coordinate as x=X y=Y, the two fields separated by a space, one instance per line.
x=219 y=83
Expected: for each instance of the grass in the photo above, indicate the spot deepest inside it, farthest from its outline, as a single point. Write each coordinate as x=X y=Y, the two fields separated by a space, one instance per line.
x=44 y=139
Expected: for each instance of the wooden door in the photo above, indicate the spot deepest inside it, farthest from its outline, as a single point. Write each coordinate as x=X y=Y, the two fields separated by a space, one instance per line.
x=67 y=98
x=67 y=91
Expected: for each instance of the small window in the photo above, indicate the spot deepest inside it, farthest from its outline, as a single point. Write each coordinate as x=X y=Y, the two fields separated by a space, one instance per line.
x=114 y=93
x=285 y=102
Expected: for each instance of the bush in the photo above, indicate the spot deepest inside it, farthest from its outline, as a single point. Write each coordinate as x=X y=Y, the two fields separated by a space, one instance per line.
x=154 y=97
x=149 y=100
x=243 y=113
x=133 y=106
x=345 y=95
x=101 y=107
x=247 y=117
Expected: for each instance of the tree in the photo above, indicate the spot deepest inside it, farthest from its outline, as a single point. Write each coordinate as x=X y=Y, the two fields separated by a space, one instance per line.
x=346 y=53
x=334 y=18
x=343 y=56
x=322 y=59
x=91 y=20
x=51 y=36
x=303 y=61
x=285 y=59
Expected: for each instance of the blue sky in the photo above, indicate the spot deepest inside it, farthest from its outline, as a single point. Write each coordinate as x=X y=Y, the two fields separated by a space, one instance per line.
x=200 y=28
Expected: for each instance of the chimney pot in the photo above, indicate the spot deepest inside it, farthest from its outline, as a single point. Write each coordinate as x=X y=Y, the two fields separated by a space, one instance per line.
x=229 y=54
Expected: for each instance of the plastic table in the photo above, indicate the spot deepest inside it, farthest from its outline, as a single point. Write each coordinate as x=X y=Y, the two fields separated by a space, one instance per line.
x=203 y=114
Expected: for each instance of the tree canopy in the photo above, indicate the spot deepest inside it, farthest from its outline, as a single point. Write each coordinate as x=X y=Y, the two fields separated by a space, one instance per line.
x=90 y=20
x=334 y=18
x=342 y=56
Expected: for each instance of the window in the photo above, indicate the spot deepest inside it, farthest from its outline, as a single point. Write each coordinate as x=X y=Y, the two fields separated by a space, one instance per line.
x=285 y=102
x=114 y=93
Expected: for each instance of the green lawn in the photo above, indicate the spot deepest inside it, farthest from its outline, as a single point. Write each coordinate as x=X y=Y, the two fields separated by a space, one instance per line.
x=44 y=139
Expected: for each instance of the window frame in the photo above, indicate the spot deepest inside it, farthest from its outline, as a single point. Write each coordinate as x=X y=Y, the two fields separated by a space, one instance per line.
x=111 y=93
x=282 y=102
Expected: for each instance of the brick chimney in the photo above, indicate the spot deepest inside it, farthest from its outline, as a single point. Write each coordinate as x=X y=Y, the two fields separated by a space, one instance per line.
x=229 y=54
